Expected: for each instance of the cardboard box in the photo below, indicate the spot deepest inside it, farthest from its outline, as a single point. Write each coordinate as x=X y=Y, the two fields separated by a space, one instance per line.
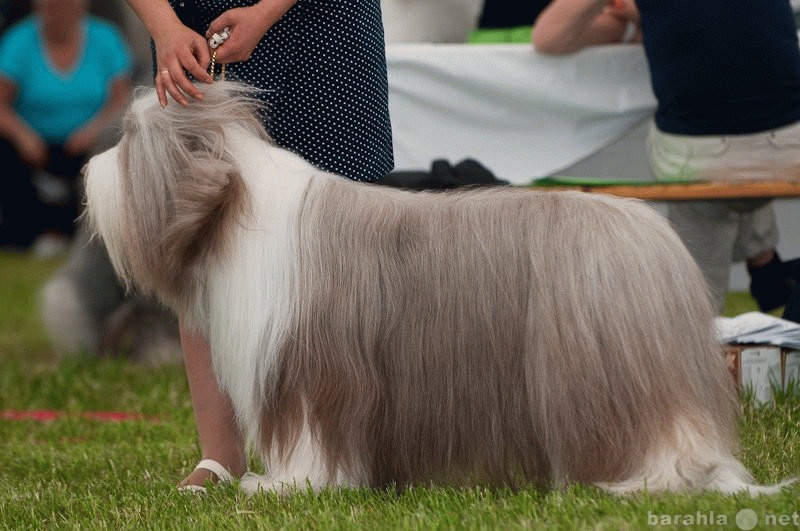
x=760 y=369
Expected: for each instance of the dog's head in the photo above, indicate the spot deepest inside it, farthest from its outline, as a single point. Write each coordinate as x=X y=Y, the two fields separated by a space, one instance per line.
x=164 y=199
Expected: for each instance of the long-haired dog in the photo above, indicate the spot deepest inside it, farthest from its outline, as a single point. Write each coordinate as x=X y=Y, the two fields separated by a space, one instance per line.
x=85 y=310
x=373 y=336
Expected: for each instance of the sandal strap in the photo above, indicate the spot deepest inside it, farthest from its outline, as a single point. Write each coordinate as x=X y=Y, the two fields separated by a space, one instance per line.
x=196 y=489
x=217 y=469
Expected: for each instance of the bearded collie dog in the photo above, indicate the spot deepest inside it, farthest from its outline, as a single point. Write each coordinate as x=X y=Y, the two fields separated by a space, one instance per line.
x=370 y=336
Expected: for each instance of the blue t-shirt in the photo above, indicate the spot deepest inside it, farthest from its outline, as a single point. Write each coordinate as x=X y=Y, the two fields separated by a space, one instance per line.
x=56 y=103
x=722 y=66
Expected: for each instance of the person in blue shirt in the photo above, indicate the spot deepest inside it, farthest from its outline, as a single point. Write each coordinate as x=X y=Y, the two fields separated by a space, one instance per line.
x=726 y=75
x=64 y=78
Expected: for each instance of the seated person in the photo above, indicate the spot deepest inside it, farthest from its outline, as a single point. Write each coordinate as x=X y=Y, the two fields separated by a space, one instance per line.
x=64 y=78
x=512 y=21
x=726 y=75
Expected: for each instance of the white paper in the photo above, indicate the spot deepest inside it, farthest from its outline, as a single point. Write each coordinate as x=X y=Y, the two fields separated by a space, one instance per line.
x=761 y=372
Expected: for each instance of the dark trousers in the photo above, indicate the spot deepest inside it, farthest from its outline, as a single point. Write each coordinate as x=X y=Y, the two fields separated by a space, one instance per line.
x=791 y=312
x=24 y=211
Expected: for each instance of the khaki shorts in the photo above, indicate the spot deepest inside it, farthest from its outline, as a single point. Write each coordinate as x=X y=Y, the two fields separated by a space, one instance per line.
x=721 y=232
x=771 y=155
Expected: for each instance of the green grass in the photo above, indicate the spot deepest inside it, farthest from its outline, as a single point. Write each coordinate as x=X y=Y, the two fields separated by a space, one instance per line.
x=78 y=473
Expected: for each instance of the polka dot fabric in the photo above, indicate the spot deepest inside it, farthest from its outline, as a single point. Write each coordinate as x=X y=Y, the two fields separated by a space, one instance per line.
x=323 y=71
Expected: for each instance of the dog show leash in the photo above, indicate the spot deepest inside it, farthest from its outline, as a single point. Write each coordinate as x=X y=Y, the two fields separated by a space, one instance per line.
x=215 y=42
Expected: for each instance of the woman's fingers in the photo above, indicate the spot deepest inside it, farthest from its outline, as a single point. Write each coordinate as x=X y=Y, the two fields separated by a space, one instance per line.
x=179 y=54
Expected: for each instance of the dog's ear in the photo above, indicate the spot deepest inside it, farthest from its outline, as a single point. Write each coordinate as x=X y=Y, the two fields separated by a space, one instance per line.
x=208 y=201
x=185 y=194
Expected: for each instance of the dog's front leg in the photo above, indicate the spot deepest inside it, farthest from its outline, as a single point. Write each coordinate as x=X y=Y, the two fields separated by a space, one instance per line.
x=305 y=467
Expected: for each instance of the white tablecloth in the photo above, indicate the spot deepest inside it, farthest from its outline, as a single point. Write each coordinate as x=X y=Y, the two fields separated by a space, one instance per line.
x=522 y=114
x=525 y=115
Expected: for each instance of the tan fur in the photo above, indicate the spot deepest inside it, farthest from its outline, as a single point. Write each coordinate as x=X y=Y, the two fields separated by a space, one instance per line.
x=370 y=336
x=488 y=352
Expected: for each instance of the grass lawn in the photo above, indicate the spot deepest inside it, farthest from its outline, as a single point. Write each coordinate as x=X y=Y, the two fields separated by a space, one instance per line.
x=80 y=472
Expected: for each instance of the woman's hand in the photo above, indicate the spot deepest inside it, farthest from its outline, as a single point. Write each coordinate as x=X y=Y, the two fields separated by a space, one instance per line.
x=628 y=15
x=247 y=27
x=180 y=50
x=31 y=148
x=246 y=31
x=626 y=9
x=82 y=141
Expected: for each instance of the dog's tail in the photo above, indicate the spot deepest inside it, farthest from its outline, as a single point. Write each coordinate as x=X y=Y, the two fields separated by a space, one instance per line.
x=692 y=461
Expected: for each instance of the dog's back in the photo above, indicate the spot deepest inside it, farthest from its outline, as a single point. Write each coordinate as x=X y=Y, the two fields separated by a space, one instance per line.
x=506 y=336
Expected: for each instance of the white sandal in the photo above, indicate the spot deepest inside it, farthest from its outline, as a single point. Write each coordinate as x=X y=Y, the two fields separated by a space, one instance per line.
x=215 y=468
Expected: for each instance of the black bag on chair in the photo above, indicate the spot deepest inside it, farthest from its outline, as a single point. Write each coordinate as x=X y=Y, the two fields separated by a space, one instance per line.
x=443 y=175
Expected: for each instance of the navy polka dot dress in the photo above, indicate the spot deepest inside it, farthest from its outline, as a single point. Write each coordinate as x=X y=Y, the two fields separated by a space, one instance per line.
x=323 y=68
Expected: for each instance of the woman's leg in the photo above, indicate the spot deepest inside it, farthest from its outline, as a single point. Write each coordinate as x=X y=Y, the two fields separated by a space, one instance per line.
x=20 y=208
x=220 y=437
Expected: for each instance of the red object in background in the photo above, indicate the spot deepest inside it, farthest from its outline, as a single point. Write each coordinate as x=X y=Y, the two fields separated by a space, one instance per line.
x=34 y=414
x=47 y=415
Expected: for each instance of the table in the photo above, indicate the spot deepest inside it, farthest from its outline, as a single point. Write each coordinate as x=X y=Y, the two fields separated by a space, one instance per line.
x=525 y=115
x=521 y=114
